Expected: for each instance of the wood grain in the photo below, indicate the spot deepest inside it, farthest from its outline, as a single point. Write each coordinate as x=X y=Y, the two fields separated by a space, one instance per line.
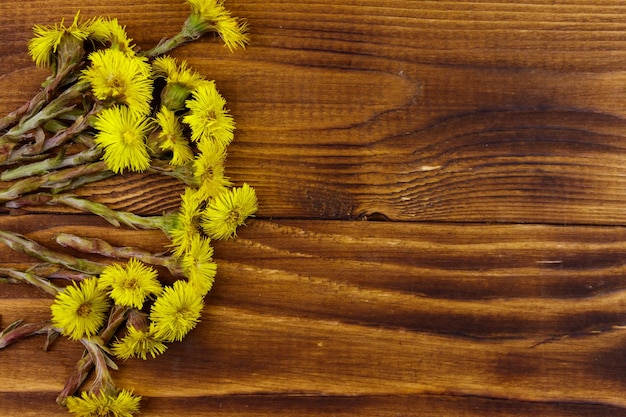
x=422 y=111
x=371 y=315
x=486 y=138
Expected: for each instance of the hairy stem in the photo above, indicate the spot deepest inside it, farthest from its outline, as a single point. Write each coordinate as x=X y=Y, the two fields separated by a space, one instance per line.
x=102 y=247
x=23 y=244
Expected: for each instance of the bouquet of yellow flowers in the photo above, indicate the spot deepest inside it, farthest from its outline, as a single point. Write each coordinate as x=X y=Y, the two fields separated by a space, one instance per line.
x=109 y=108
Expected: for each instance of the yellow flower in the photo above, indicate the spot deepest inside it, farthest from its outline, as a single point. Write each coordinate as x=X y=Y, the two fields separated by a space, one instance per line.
x=198 y=264
x=46 y=41
x=80 y=310
x=187 y=223
x=209 y=15
x=207 y=117
x=119 y=78
x=181 y=80
x=176 y=311
x=105 y=30
x=122 y=135
x=228 y=211
x=138 y=344
x=209 y=170
x=122 y=404
x=172 y=137
x=176 y=72
x=129 y=286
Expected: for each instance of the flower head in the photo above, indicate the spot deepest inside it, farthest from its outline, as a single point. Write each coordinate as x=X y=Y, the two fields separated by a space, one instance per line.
x=181 y=81
x=120 y=78
x=198 y=264
x=208 y=167
x=187 y=223
x=130 y=285
x=109 y=31
x=46 y=41
x=80 y=310
x=122 y=134
x=138 y=344
x=172 y=137
x=122 y=404
x=228 y=211
x=207 y=117
x=211 y=15
x=176 y=72
x=176 y=311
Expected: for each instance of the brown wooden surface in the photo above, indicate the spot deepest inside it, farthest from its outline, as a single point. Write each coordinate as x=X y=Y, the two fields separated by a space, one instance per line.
x=486 y=141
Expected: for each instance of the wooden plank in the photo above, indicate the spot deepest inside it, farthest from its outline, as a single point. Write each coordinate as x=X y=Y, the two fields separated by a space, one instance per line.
x=362 y=316
x=407 y=110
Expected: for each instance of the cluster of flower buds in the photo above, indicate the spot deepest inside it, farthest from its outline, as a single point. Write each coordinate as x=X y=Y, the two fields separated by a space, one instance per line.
x=109 y=108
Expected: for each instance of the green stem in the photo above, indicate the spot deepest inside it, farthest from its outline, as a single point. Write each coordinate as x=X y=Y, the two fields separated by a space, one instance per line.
x=115 y=217
x=104 y=248
x=183 y=173
x=166 y=45
x=29 y=277
x=80 y=181
x=85 y=364
x=23 y=244
x=51 y=180
x=17 y=331
x=38 y=101
x=43 y=167
x=55 y=108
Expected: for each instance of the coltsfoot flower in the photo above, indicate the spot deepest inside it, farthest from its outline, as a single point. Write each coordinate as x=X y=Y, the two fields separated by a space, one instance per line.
x=209 y=15
x=47 y=39
x=109 y=31
x=80 y=309
x=172 y=137
x=208 y=167
x=120 y=78
x=198 y=264
x=130 y=285
x=122 y=134
x=181 y=81
x=187 y=223
x=208 y=118
x=121 y=404
x=228 y=211
x=138 y=344
x=176 y=311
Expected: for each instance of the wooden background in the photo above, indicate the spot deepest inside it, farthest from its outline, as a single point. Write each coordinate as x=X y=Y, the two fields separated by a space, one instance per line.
x=441 y=222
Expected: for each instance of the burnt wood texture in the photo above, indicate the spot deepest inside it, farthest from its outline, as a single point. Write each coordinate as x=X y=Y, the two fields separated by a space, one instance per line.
x=441 y=229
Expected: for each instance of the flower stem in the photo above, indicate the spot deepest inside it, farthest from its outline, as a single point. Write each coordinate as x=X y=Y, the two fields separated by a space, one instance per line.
x=57 y=162
x=17 y=331
x=85 y=364
x=29 y=277
x=56 y=107
x=166 y=45
x=102 y=247
x=38 y=101
x=114 y=217
x=50 y=180
x=21 y=243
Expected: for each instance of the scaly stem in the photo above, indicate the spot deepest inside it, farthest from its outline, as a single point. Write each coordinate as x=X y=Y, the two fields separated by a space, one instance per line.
x=58 y=162
x=166 y=45
x=38 y=101
x=115 y=217
x=17 y=331
x=55 y=108
x=102 y=247
x=85 y=364
x=51 y=180
x=21 y=243
x=29 y=277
